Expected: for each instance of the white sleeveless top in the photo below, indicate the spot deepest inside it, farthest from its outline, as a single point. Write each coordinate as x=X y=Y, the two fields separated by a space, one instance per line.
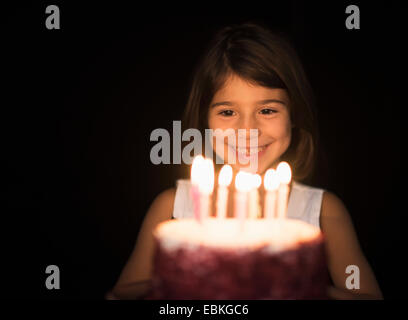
x=304 y=202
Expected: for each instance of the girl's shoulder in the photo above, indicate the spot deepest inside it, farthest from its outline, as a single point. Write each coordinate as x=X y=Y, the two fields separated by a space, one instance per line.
x=333 y=206
x=166 y=195
x=162 y=206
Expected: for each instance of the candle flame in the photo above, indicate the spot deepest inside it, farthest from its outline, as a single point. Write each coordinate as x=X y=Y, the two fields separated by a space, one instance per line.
x=196 y=169
x=271 y=180
x=243 y=181
x=225 y=177
x=206 y=183
x=256 y=181
x=202 y=174
x=284 y=172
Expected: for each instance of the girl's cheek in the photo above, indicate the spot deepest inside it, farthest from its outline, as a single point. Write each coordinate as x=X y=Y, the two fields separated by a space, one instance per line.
x=213 y=123
x=284 y=129
x=276 y=129
x=220 y=124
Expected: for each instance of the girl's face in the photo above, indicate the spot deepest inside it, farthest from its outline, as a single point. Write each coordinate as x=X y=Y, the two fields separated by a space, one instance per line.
x=242 y=105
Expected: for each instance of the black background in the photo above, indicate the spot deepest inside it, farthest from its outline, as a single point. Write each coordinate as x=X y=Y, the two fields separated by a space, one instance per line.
x=79 y=104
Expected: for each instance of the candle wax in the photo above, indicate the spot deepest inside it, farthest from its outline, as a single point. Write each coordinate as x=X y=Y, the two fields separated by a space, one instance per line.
x=283 y=194
x=195 y=195
x=270 y=204
x=222 y=200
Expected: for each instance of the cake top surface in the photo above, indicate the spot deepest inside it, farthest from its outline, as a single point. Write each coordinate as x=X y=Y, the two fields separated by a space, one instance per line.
x=272 y=234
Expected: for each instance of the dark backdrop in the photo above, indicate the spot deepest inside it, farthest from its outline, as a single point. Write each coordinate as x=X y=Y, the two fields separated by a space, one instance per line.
x=79 y=105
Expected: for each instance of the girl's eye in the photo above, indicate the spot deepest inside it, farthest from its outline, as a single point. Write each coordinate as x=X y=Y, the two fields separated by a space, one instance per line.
x=268 y=111
x=226 y=113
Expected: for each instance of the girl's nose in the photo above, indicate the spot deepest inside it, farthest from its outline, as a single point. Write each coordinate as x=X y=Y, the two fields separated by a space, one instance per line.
x=249 y=122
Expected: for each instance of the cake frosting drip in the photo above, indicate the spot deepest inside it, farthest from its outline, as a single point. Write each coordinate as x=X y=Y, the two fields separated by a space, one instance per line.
x=225 y=260
x=274 y=234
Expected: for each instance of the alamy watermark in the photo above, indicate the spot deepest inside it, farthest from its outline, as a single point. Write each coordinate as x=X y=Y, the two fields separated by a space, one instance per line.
x=53 y=20
x=241 y=145
x=53 y=280
x=353 y=18
x=353 y=280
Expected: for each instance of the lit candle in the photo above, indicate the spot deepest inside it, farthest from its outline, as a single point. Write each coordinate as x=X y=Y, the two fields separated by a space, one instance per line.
x=285 y=175
x=242 y=185
x=206 y=187
x=224 y=180
x=271 y=184
x=196 y=168
x=254 y=196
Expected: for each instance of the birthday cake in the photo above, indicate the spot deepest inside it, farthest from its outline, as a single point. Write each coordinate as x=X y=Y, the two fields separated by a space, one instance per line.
x=235 y=259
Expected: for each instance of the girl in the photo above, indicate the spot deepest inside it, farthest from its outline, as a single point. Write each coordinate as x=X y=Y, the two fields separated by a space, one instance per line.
x=252 y=79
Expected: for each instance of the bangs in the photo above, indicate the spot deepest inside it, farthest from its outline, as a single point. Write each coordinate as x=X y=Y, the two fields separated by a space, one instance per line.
x=251 y=65
x=254 y=70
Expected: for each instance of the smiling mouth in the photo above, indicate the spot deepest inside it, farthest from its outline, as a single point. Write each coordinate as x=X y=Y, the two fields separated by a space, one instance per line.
x=250 y=151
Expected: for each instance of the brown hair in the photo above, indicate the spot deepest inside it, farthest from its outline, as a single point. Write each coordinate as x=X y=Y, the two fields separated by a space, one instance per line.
x=260 y=56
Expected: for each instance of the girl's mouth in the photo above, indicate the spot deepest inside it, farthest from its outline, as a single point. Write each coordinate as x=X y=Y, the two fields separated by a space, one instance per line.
x=250 y=151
